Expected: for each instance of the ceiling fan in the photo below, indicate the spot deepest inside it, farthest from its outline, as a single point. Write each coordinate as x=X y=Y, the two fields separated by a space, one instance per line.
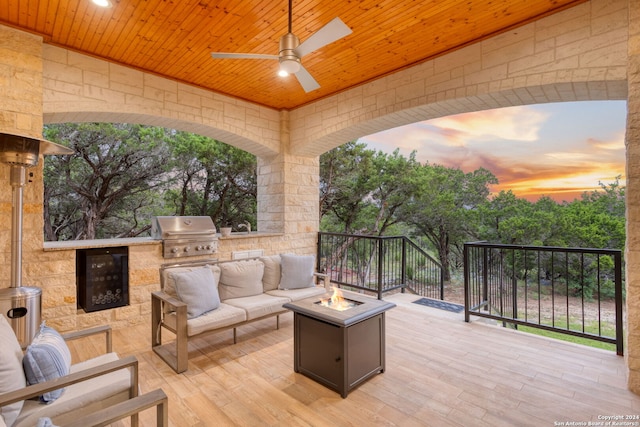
x=291 y=50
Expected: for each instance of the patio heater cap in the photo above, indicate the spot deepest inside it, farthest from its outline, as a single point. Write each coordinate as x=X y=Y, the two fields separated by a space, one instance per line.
x=21 y=150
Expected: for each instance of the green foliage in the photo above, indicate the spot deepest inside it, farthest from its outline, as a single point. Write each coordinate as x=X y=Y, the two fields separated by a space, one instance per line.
x=122 y=175
x=362 y=191
x=107 y=187
x=212 y=178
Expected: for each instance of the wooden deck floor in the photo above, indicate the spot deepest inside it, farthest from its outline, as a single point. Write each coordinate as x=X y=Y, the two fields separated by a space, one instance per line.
x=440 y=371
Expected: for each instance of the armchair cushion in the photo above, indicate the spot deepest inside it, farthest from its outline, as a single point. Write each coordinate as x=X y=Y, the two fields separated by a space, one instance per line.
x=82 y=398
x=47 y=358
x=297 y=271
x=11 y=373
x=198 y=289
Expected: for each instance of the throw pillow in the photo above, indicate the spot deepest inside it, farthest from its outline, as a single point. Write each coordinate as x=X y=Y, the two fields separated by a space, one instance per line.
x=47 y=358
x=240 y=279
x=271 y=277
x=11 y=373
x=297 y=271
x=198 y=289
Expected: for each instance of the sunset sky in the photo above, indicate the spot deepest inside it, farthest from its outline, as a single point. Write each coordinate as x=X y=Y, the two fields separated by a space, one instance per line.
x=559 y=150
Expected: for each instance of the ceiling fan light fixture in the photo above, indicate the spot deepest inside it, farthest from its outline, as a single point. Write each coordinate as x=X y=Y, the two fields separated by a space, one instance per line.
x=102 y=3
x=282 y=73
x=289 y=65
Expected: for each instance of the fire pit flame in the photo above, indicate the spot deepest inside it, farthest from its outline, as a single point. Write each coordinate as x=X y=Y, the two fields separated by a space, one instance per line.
x=337 y=301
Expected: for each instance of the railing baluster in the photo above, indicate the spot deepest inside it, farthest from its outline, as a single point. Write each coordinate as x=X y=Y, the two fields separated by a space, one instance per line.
x=492 y=270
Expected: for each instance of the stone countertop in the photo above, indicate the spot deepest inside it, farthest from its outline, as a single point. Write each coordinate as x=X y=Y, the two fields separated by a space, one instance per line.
x=135 y=241
x=99 y=243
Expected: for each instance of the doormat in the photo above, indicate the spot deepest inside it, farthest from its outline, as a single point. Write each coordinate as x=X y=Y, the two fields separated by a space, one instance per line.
x=442 y=305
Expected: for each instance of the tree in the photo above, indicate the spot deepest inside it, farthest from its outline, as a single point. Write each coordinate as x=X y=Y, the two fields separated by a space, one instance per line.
x=442 y=205
x=597 y=220
x=107 y=187
x=212 y=178
x=346 y=181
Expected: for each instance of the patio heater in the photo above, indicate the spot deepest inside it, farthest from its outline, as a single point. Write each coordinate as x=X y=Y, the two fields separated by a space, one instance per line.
x=22 y=305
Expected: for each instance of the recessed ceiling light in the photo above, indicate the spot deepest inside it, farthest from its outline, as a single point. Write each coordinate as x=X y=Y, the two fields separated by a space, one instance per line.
x=103 y=3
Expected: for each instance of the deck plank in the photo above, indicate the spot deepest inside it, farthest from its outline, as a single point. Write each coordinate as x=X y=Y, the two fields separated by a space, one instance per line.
x=440 y=371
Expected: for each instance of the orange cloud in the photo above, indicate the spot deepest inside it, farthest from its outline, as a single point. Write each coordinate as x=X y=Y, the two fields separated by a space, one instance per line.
x=558 y=150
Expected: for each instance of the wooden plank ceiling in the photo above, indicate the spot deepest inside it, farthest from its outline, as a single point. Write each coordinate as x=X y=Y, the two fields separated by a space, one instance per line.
x=174 y=38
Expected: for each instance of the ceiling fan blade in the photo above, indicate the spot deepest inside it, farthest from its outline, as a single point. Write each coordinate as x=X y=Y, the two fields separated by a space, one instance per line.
x=334 y=30
x=306 y=80
x=223 y=55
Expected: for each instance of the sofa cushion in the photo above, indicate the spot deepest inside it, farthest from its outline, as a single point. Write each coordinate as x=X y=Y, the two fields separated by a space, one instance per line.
x=240 y=279
x=298 y=294
x=11 y=373
x=271 y=276
x=198 y=289
x=222 y=317
x=259 y=305
x=297 y=271
x=46 y=359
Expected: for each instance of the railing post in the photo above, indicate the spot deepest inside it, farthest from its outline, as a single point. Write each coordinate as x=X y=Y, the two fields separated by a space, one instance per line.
x=404 y=264
x=485 y=278
x=618 y=292
x=319 y=252
x=466 y=269
x=380 y=266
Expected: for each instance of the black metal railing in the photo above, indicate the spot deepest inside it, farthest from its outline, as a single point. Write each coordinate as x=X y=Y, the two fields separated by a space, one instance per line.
x=573 y=291
x=379 y=264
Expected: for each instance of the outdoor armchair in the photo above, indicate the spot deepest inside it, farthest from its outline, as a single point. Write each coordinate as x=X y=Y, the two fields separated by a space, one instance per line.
x=89 y=386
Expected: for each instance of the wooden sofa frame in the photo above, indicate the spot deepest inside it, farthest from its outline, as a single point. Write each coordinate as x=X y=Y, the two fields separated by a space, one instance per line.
x=176 y=354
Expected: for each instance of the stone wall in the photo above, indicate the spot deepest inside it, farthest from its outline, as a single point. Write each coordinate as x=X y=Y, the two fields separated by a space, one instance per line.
x=20 y=113
x=575 y=55
x=632 y=253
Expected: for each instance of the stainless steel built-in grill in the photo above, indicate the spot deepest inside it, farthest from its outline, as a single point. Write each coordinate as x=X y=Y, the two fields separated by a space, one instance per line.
x=184 y=236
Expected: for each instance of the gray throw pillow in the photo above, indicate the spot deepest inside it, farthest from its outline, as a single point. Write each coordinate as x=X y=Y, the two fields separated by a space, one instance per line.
x=46 y=359
x=297 y=271
x=198 y=289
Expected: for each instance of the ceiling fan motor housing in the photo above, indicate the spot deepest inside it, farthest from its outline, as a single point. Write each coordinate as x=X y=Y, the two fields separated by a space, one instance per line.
x=289 y=61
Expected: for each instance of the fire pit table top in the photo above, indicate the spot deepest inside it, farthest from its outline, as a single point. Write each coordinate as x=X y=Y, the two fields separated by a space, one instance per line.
x=364 y=308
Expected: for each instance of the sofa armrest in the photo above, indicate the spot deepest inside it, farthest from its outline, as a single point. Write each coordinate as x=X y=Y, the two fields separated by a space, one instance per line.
x=165 y=298
x=325 y=280
x=106 y=329
x=35 y=390
x=127 y=408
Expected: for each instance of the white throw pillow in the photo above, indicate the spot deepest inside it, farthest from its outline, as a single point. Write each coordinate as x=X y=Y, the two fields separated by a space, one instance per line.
x=240 y=279
x=297 y=271
x=271 y=277
x=11 y=373
x=198 y=289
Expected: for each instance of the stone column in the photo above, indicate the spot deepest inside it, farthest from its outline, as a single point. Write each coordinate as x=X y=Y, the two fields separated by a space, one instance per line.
x=288 y=194
x=21 y=113
x=632 y=254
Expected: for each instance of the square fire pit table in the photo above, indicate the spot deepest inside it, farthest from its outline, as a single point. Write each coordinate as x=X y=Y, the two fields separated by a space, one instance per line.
x=339 y=349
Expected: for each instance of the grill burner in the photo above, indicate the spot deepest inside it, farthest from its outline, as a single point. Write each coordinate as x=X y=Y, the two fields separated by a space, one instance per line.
x=339 y=349
x=184 y=236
